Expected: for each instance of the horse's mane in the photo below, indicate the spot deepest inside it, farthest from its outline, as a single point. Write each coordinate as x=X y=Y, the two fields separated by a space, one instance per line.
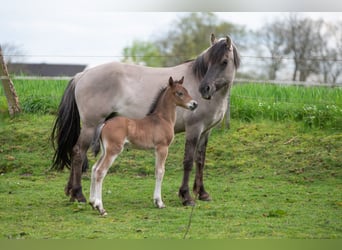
x=156 y=100
x=213 y=55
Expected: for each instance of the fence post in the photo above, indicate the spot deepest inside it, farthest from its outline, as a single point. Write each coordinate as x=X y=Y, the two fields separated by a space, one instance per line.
x=11 y=95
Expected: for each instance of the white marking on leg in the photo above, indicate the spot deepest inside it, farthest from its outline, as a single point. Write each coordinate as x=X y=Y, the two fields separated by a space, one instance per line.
x=98 y=176
x=161 y=154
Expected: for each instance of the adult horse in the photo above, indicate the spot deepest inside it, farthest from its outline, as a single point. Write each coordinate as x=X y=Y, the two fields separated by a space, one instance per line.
x=111 y=89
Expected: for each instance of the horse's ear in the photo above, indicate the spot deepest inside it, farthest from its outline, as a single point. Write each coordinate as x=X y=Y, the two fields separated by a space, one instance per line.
x=171 y=81
x=213 y=39
x=229 y=42
x=181 y=80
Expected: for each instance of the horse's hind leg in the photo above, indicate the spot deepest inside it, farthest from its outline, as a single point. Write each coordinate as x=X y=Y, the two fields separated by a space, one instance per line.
x=79 y=155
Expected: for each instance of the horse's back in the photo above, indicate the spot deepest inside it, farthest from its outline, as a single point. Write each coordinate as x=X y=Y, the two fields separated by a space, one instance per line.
x=124 y=89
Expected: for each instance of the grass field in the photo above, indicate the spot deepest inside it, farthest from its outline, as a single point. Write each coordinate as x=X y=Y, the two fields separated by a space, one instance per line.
x=315 y=107
x=269 y=178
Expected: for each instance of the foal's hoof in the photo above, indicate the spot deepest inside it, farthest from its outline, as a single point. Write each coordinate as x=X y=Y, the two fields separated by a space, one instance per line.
x=159 y=204
x=102 y=211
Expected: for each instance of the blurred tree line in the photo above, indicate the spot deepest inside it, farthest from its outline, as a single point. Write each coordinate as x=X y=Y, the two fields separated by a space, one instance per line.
x=303 y=46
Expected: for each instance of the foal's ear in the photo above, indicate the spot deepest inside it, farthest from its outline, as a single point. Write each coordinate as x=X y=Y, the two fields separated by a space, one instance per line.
x=171 y=82
x=181 y=80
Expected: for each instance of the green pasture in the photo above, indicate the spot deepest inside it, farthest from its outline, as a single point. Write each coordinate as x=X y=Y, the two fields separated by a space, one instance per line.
x=269 y=176
x=314 y=107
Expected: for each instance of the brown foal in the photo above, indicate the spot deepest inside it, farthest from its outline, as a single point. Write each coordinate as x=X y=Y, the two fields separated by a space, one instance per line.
x=154 y=131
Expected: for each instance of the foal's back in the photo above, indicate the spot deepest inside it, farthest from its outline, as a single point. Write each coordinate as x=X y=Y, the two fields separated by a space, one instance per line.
x=143 y=133
x=155 y=129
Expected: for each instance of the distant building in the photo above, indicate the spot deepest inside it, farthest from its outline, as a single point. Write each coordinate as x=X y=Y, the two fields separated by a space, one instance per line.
x=43 y=69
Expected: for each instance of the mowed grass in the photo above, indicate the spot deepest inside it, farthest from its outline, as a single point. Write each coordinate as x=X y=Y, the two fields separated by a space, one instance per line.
x=267 y=180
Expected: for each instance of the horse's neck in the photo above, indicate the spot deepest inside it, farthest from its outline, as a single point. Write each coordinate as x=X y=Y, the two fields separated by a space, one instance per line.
x=166 y=109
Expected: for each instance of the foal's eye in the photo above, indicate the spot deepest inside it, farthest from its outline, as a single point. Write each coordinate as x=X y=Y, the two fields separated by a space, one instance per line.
x=180 y=94
x=225 y=62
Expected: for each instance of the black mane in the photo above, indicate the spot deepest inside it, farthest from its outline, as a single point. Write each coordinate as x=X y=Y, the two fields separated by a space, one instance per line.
x=213 y=55
x=156 y=100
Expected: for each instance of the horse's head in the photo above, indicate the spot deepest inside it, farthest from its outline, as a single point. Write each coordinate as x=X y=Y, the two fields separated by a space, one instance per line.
x=216 y=66
x=180 y=94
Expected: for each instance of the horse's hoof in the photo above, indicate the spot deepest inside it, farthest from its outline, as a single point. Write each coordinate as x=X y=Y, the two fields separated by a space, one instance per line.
x=205 y=197
x=189 y=203
x=67 y=191
x=81 y=200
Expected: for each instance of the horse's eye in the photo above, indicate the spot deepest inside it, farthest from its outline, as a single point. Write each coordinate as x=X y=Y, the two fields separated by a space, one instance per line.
x=225 y=62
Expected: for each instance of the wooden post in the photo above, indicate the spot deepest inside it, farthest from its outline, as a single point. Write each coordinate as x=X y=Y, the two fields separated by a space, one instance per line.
x=11 y=95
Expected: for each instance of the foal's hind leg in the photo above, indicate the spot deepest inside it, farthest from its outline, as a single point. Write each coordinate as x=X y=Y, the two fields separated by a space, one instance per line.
x=161 y=155
x=99 y=172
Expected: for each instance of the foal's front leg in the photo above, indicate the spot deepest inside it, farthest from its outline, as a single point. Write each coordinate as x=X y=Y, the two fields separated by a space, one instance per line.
x=161 y=155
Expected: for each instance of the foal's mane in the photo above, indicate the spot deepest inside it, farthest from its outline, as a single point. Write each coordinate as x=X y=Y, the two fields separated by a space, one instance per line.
x=156 y=100
x=213 y=55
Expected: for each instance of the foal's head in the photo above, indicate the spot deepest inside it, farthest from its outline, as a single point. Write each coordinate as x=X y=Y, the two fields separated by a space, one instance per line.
x=180 y=95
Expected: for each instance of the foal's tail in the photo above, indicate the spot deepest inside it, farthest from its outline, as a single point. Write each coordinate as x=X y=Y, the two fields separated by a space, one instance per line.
x=96 y=143
x=66 y=129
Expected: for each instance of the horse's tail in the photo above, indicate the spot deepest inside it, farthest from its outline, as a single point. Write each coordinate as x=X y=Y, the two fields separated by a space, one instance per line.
x=66 y=129
x=96 y=143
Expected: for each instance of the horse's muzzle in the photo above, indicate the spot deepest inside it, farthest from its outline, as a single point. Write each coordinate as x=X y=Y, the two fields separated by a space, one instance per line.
x=206 y=92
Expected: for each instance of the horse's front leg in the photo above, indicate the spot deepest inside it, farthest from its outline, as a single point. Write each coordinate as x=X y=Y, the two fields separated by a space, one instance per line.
x=190 y=148
x=200 y=161
x=161 y=155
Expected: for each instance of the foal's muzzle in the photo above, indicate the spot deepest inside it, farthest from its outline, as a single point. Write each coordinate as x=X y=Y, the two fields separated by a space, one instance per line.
x=192 y=105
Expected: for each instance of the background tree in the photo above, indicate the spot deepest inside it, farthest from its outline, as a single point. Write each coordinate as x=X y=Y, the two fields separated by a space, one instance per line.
x=191 y=34
x=273 y=40
x=12 y=52
x=145 y=53
x=188 y=37
x=302 y=39
x=331 y=52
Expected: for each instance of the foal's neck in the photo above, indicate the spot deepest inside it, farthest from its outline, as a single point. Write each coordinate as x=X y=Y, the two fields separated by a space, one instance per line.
x=166 y=108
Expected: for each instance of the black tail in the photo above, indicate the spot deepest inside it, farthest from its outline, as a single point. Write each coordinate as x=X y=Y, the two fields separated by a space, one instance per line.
x=67 y=128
